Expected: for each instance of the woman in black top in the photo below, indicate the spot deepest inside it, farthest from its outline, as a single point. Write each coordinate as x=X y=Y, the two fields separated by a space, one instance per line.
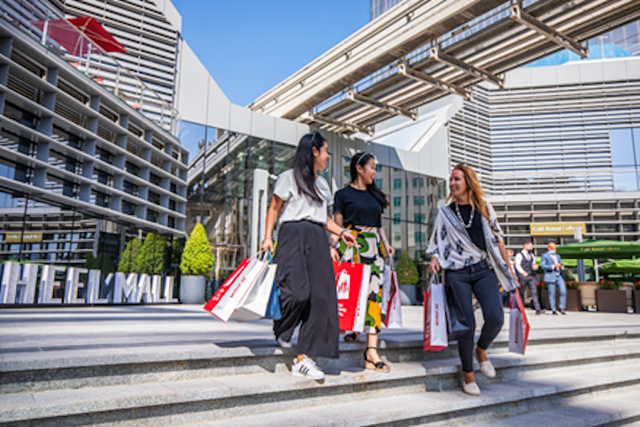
x=359 y=208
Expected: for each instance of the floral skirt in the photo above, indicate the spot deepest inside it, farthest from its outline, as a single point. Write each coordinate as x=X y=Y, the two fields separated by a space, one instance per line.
x=370 y=251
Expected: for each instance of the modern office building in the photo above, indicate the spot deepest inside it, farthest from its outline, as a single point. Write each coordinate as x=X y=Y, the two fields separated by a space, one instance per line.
x=561 y=141
x=82 y=169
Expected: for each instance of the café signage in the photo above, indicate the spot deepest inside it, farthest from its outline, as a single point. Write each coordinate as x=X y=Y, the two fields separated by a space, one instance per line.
x=18 y=286
x=27 y=238
x=555 y=228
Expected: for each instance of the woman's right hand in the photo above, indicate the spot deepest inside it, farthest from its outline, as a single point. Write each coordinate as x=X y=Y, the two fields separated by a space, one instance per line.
x=434 y=265
x=335 y=256
x=267 y=244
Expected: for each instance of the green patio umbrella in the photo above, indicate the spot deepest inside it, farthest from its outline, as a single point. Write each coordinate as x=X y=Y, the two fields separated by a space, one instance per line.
x=621 y=266
x=599 y=249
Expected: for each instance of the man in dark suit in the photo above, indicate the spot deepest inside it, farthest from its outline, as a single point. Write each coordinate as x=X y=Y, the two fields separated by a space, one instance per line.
x=526 y=268
x=551 y=264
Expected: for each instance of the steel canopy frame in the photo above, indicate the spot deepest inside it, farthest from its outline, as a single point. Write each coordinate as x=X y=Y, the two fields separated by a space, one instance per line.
x=504 y=39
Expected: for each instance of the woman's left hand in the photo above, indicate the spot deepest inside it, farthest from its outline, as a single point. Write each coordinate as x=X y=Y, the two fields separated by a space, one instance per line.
x=349 y=239
x=391 y=251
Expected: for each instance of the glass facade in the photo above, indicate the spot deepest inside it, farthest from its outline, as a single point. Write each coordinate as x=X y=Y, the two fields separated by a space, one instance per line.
x=619 y=43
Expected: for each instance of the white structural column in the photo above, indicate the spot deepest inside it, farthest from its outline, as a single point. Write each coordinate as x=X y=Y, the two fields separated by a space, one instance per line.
x=259 y=206
x=543 y=29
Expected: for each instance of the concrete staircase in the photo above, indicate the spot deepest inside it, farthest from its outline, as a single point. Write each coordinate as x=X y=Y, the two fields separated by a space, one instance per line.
x=586 y=380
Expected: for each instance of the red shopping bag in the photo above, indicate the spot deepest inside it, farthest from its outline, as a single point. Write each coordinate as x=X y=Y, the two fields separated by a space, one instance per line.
x=435 y=322
x=518 y=325
x=233 y=291
x=352 y=284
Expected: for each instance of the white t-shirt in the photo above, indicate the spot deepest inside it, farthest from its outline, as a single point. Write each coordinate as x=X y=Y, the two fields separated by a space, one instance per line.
x=298 y=207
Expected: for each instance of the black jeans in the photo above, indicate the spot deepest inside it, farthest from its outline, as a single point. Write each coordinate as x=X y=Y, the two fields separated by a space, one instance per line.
x=482 y=281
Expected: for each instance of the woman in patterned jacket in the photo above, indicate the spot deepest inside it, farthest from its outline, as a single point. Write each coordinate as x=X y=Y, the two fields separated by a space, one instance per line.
x=468 y=244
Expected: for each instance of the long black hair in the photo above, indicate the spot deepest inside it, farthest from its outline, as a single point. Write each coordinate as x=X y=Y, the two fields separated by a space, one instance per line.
x=303 y=171
x=361 y=159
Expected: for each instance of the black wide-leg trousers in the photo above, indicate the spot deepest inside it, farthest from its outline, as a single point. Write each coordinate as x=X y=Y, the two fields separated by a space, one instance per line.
x=307 y=289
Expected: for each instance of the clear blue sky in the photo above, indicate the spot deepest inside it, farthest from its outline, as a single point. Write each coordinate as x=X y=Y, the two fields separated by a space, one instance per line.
x=249 y=46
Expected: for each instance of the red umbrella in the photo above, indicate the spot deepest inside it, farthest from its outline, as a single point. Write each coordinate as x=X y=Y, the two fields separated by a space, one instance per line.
x=69 y=35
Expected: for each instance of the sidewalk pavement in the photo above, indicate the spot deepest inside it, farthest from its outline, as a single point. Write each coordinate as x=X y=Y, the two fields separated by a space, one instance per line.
x=156 y=328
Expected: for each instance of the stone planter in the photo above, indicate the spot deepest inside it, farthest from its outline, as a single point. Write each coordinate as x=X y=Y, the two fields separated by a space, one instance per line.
x=573 y=300
x=636 y=300
x=192 y=289
x=611 y=300
x=408 y=294
x=588 y=293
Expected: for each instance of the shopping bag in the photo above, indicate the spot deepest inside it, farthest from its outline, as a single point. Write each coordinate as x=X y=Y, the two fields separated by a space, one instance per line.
x=352 y=285
x=391 y=300
x=254 y=304
x=518 y=325
x=232 y=292
x=457 y=324
x=435 y=323
x=273 y=306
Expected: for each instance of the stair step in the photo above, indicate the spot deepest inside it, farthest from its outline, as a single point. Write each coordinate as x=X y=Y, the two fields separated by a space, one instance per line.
x=499 y=403
x=269 y=392
x=622 y=408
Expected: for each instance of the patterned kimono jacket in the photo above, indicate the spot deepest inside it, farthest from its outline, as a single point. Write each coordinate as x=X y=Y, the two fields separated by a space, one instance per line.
x=452 y=246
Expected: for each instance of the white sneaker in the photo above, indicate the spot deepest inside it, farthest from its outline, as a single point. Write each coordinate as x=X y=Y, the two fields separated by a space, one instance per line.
x=307 y=368
x=283 y=343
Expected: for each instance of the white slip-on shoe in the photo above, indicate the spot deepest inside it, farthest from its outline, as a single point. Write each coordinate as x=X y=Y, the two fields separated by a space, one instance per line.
x=487 y=369
x=283 y=343
x=471 y=388
x=307 y=368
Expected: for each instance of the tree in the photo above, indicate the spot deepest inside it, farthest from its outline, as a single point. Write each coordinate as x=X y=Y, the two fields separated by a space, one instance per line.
x=197 y=257
x=151 y=255
x=129 y=259
x=406 y=270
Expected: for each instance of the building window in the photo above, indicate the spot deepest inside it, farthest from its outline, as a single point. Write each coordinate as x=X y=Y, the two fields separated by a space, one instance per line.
x=397 y=183
x=418 y=217
x=397 y=201
x=396 y=219
x=379 y=183
x=418 y=200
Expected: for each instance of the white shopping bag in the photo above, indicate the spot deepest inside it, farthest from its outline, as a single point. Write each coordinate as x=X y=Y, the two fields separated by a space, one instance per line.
x=254 y=304
x=387 y=290
x=435 y=322
x=361 y=309
x=518 y=325
x=394 y=312
x=232 y=292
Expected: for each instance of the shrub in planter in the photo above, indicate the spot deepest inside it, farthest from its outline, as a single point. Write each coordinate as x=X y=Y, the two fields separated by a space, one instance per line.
x=151 y=256
x=197 y=260
x=407 y=277
x=129 y=258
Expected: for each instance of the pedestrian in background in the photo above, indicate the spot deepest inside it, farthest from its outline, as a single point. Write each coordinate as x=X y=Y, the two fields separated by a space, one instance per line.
x=467 y=242
x=551 y=264
x=359 y=207
x=305 y=273
x=526 y=268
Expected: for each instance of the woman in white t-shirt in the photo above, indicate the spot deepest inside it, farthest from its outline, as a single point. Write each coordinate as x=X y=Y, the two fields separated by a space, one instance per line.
x=305 y=273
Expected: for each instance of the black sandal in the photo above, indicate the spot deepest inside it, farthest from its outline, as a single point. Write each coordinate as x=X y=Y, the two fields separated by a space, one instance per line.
x=378 y=366
x=352 y=337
